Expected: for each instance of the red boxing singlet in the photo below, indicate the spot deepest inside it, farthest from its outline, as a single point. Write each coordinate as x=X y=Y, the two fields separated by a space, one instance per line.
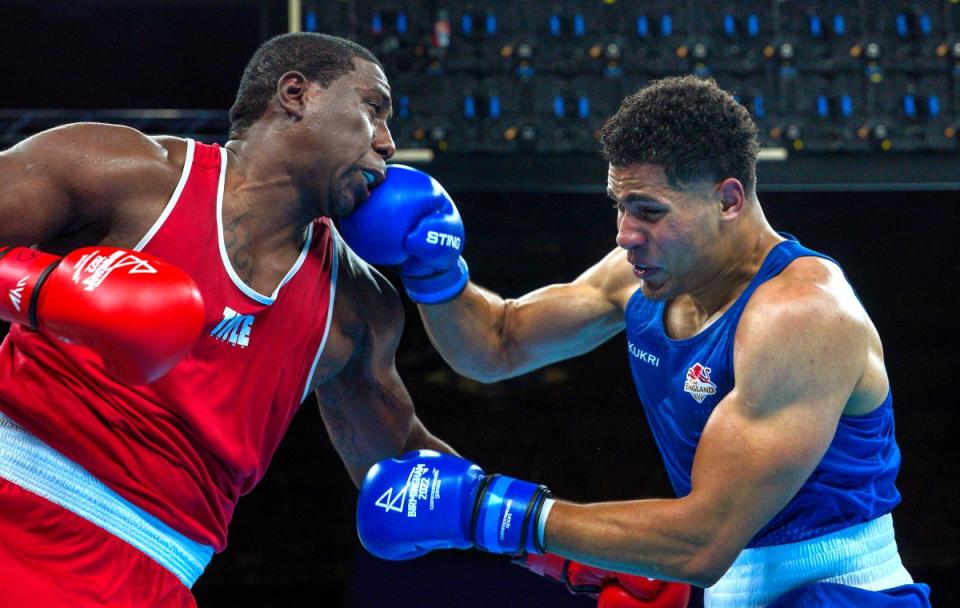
x=186 y=447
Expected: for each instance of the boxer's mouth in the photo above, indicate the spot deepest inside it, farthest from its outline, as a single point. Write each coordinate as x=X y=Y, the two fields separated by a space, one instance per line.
x=372 y=177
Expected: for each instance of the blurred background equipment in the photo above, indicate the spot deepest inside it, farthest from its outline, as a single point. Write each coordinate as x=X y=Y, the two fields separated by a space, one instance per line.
x=843 y=92
x=852 y=82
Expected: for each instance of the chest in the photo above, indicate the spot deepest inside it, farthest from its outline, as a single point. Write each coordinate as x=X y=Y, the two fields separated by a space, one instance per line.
x=679 y=381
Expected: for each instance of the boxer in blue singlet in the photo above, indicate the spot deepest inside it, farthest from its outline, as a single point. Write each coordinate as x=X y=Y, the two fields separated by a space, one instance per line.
x=761 y=374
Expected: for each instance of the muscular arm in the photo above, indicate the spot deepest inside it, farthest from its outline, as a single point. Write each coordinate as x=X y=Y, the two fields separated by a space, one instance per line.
x=67 y=183
x=488 y=338
x=799 y=354
x=367 y=411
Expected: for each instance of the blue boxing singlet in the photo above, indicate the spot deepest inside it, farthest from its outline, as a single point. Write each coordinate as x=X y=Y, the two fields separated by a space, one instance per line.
x=681 y=381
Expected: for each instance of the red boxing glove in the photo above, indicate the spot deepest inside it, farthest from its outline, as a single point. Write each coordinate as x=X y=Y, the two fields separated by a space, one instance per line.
x=612 y=589
x=621 y=593
x=140 y=314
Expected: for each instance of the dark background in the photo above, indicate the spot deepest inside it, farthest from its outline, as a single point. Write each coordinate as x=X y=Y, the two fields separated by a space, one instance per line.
x=576 y=426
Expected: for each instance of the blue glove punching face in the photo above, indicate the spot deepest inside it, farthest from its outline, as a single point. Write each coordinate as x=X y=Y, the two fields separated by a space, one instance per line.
x=410 y=221
x=386 y=228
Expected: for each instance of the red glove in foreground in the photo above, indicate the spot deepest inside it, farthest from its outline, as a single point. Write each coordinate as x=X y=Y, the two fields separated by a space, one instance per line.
x=140 y=314
x=612 y=589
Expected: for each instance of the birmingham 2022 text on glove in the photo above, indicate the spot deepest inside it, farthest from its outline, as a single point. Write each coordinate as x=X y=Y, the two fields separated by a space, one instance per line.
x=425 y=500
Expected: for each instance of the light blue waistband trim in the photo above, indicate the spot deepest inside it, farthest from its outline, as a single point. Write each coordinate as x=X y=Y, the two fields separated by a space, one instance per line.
x=863 y=556
x=37 y=468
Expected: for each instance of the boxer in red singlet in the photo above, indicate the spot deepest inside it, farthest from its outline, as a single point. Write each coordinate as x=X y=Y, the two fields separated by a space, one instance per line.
x=145 y=477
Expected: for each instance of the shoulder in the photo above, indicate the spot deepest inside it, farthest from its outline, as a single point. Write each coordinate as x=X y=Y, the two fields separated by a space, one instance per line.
x=367 y=321
x=93 y=156
x=93 y=138
x=802 y=330
x=92 y=182
x=811 y=290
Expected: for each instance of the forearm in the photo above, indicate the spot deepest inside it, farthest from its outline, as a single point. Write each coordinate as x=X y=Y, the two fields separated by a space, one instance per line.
x=354 y=446
x=469 y=333
x=385 y=432
x=661 y=538
x=489 y=338
x=421 y=439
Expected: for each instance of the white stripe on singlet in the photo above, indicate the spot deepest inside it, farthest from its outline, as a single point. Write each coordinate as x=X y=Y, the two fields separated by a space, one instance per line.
x=39 y=469
x=863 y=556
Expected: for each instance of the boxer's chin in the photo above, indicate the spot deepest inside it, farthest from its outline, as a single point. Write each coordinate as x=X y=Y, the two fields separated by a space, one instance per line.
x=347 y=198
x=657 y=288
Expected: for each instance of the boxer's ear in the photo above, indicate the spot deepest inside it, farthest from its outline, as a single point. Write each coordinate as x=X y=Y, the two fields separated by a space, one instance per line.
x=291 y=93
x=732 y=197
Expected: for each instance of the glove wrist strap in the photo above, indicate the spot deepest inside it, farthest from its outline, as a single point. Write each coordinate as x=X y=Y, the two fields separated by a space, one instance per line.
x=440 y=287
x=506 y=517
x=22 y=273
x=34 y=322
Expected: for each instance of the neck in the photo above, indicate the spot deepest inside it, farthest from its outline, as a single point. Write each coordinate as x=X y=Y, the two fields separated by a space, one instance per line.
x=743 y=253
x=261 y=197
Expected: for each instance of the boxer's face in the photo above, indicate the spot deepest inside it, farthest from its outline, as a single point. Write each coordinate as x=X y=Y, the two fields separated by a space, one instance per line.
x=347 y=125
x=670 y=235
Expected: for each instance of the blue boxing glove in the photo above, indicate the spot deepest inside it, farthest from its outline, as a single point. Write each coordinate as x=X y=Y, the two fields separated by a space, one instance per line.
x=425 y=500
x=410 y=220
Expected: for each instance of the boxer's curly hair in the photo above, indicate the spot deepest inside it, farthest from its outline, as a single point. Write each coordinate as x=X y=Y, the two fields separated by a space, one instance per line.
x=320 y=57
x=689 y=126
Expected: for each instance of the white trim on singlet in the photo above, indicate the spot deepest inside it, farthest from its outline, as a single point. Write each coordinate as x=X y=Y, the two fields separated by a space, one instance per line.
x=29 y=463
x=246 y=289
x=187 y=164
x=334 y=251
x=863 y=556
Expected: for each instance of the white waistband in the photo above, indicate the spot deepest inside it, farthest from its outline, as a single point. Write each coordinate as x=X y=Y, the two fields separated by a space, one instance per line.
x=864 y=556
x=36 y=467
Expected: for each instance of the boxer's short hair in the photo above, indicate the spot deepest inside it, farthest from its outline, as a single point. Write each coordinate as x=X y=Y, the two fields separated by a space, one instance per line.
x=320 y=57
x=689 y=126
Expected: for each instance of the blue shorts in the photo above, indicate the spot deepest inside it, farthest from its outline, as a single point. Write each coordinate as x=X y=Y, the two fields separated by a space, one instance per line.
x=819 y=595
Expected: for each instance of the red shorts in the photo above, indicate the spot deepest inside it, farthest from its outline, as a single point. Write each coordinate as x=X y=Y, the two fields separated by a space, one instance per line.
x=52 y=558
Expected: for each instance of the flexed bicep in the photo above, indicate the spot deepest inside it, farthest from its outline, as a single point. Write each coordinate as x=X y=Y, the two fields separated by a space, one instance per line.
x=69 y=186
x=797 y=361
